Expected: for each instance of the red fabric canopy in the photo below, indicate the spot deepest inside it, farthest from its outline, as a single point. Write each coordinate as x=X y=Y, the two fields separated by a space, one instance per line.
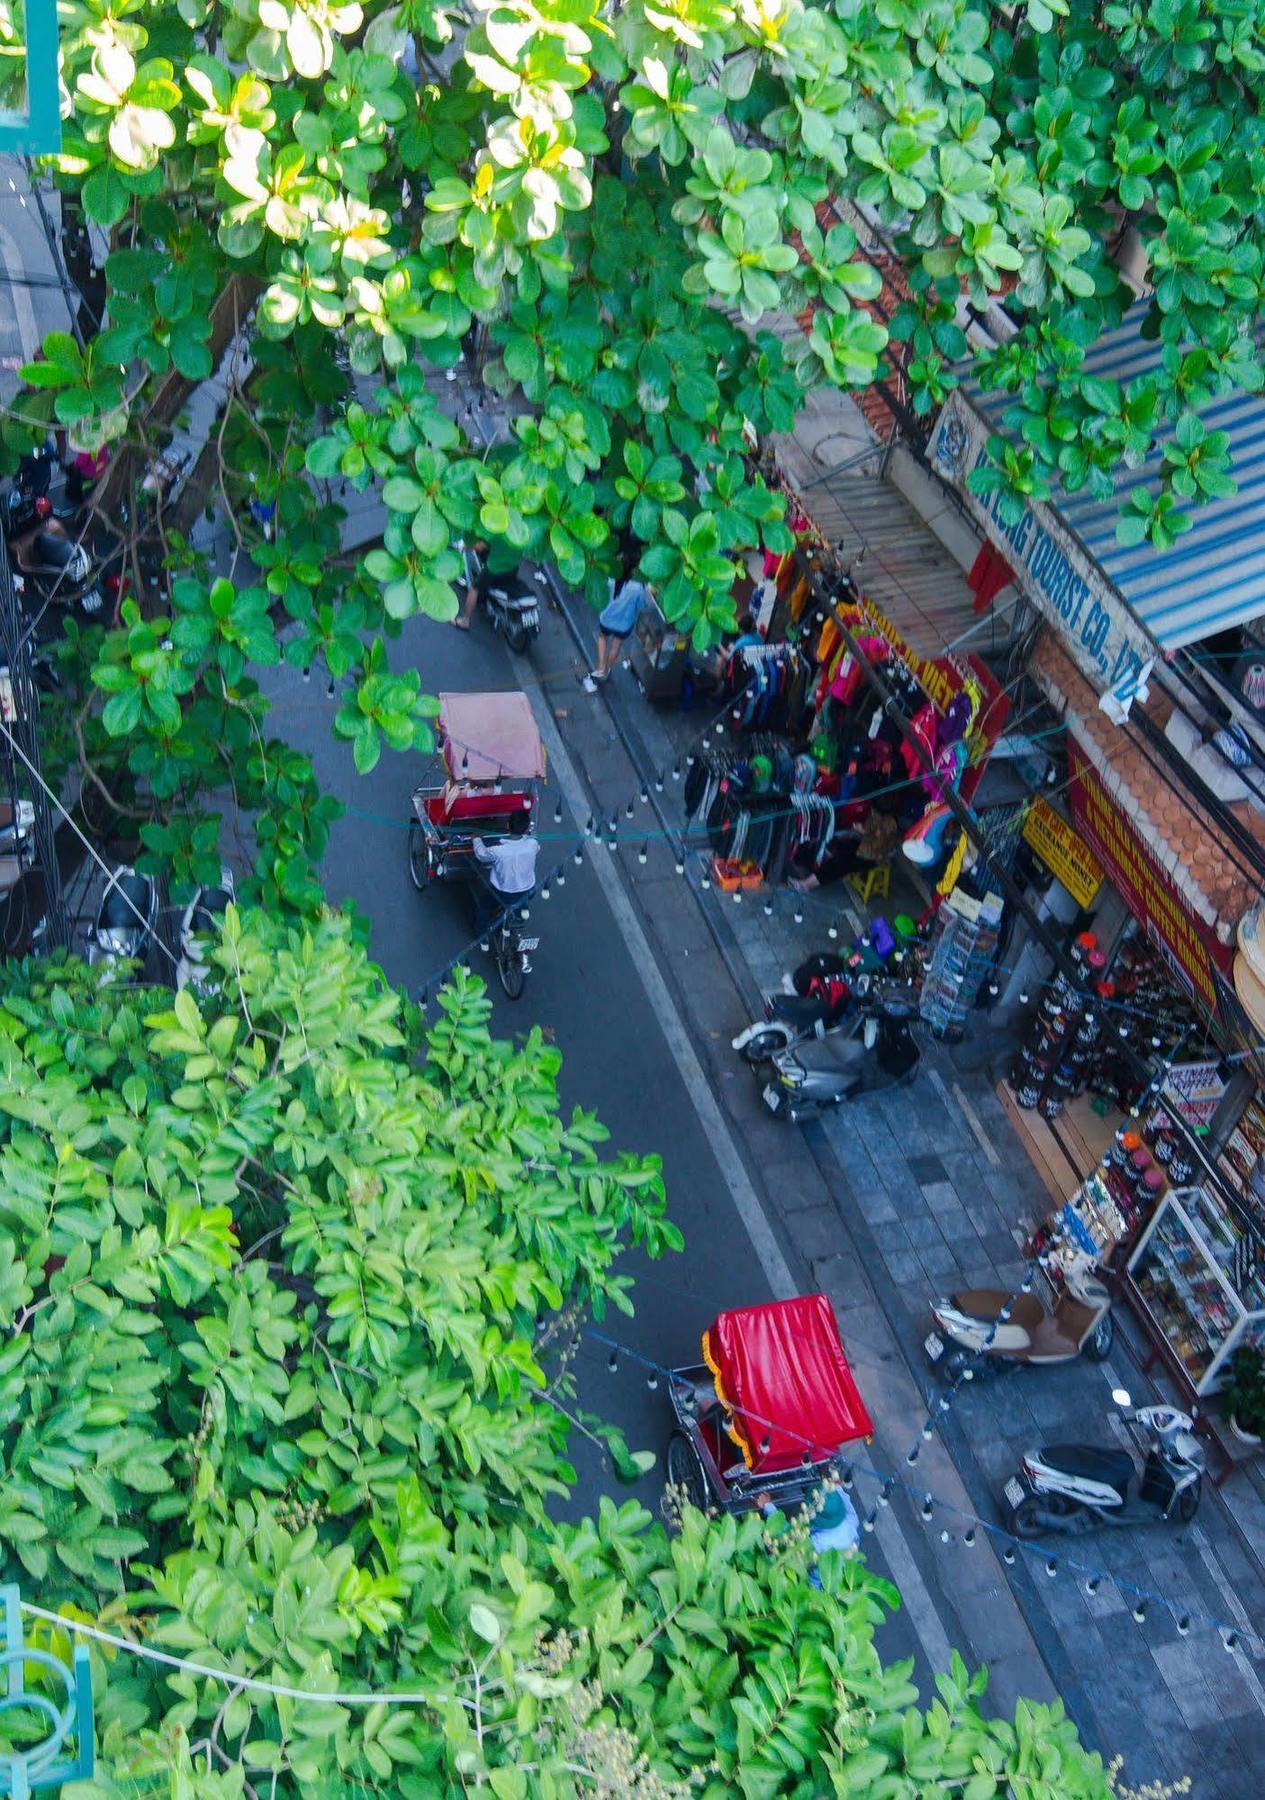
x=781 y=1372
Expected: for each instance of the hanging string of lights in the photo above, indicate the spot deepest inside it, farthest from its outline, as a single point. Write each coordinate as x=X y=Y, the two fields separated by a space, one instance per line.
x=930 y=1505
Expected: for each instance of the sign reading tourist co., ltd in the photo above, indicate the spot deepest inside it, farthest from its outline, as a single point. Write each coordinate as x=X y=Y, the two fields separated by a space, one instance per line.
x=1052 y=567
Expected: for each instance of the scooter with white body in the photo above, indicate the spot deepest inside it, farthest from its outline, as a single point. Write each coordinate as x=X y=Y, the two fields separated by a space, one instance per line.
x=1078 y=1487
x=988 y=1330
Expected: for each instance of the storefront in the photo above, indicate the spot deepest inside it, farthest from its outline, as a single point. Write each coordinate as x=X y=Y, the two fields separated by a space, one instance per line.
x=1170 y=1203
x=811 y=779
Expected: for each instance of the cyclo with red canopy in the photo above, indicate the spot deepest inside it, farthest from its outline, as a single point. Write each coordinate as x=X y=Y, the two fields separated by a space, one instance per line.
x=494 y=761
x=768 y=1409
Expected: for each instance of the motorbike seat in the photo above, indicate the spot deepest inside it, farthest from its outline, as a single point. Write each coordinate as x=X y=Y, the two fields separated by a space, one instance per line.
x=1114 y=1468
x=986 y=1304
x=116 y=913
x=797 y=1009
x=833 y=1054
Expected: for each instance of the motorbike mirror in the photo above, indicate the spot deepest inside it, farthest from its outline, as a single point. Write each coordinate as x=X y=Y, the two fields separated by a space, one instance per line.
x=1122 y=1397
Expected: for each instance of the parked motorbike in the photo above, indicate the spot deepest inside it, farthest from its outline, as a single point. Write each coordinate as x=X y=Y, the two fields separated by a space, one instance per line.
x=789 y=1018
x=124 y=926
x=970 y=1328
x=14 y=831
x=58 y=568
x=27 y=501
x=200 y=921
x=514 y=609
x=1078 y=1487
x=793 y=1018
x=875 y=1050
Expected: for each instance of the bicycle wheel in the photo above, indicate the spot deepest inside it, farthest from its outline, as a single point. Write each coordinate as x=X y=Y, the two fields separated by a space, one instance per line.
x=419 y=859
x=685 y=1471
x=509 y=965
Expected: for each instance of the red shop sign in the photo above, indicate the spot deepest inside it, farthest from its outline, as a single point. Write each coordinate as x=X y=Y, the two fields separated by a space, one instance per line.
x=1191 y=948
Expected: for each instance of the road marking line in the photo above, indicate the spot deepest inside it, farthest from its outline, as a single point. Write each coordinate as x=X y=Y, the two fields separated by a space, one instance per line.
x=916 y=1599
x=971 y=1116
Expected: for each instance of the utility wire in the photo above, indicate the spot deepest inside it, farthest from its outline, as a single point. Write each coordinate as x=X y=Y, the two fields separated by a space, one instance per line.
x=103 y=866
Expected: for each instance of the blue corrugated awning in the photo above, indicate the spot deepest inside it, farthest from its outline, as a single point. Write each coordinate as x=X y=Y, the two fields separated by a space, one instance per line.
x=1214 y=575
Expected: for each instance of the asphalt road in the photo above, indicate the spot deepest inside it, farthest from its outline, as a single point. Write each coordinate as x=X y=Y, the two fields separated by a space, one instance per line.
x=586 y=993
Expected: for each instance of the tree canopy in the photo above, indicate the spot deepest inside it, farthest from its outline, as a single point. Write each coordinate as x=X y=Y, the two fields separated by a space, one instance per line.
x=628 y=200
x=288 y=1286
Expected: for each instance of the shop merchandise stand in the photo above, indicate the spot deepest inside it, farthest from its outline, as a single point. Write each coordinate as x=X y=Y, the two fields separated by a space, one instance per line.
x=962 y=956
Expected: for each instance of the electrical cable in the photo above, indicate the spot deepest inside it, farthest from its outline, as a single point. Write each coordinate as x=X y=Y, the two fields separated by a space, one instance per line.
x=103 y=866
x=253 y=1683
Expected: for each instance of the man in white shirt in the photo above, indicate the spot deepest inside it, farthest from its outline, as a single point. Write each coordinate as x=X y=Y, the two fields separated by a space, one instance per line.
x=509 y=870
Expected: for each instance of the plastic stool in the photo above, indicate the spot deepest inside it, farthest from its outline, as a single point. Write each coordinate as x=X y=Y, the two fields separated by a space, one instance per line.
x=871 y=884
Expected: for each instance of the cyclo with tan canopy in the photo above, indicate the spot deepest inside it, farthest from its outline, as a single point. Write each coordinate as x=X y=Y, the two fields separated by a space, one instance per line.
x=494 y=762
x=769 y=1408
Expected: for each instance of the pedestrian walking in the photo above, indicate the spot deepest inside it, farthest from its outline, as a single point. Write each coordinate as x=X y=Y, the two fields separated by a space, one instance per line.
x=477 y=578
x=615 y=622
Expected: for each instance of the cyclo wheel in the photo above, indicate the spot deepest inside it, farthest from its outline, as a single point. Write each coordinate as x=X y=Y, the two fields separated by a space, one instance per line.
x=420 y=866
x=685 y=1471
x=509 y=963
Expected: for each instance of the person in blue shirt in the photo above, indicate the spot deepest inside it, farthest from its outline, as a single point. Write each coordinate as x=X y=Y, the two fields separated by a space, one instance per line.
x=614 y=624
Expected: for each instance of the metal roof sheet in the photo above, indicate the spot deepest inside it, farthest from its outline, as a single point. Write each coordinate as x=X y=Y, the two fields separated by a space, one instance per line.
x=1214 y=575
x=894 y=558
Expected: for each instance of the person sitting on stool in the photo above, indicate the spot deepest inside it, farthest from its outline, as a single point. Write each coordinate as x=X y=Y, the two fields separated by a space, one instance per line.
x=508 y=874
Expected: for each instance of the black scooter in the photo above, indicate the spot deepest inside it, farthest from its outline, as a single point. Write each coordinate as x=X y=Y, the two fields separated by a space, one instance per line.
x=123 y=929
x=58 y=568
x=513 y=609
x=1078 y=1487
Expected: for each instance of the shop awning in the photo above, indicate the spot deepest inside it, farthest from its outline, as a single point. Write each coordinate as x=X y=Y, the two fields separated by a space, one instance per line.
x=1179 y=834
x=1213 y=576
x=892 y=554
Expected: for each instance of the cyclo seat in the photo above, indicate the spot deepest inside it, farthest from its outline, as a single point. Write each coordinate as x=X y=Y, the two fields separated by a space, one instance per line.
x=470 y=808
x=1112 y=1467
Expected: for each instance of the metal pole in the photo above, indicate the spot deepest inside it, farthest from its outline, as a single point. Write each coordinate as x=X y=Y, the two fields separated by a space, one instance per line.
x=15 y=648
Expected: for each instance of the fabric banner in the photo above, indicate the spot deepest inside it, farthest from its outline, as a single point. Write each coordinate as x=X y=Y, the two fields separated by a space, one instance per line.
x=940 y=678
x=1191 y=948
x=1051 y=565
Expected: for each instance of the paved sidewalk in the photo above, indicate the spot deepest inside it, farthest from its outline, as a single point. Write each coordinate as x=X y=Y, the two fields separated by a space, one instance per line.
x=924 y=1190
